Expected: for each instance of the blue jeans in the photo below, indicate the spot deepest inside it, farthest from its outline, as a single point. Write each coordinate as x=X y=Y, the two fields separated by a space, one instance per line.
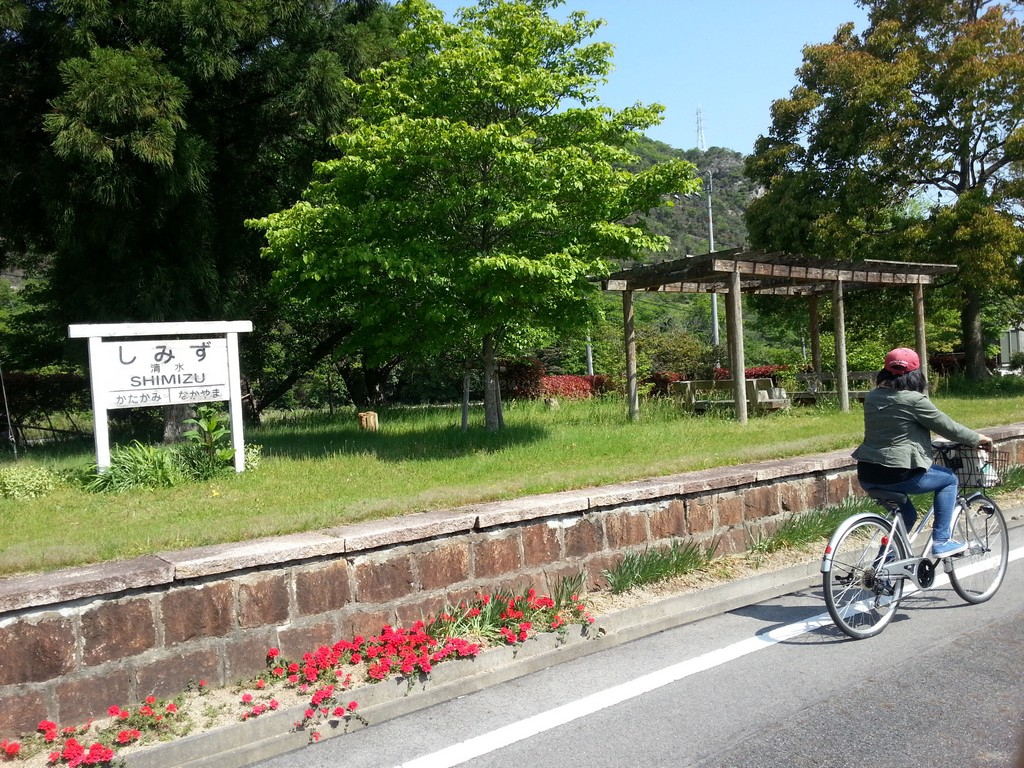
x=939 y=480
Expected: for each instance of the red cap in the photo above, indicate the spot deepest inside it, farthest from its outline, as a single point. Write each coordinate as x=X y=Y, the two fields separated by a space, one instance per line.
x=902 y=360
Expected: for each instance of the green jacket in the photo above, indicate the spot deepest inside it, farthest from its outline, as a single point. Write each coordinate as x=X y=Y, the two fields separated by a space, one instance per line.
x=898 y=427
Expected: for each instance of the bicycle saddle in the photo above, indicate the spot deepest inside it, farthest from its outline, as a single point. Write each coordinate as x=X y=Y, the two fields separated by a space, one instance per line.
x=880 y=494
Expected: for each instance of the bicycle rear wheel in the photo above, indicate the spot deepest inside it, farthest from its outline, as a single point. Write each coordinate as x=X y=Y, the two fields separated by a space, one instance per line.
x=977 y=574
x=860 y=604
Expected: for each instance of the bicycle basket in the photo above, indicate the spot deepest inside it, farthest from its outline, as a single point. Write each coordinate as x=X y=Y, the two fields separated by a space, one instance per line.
x=974 y=467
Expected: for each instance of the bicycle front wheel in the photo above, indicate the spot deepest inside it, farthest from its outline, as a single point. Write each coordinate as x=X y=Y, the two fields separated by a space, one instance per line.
x=977 y=574
x=861 y=601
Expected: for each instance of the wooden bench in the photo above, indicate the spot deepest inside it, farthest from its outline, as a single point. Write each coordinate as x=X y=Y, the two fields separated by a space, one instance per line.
x=702 y=395
x=822 y=386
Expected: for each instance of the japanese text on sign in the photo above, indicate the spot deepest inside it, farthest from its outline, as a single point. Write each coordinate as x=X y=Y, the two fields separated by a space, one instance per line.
x=163 y=372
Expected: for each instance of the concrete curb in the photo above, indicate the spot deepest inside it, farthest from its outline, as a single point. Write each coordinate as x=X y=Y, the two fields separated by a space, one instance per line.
x=242 y=744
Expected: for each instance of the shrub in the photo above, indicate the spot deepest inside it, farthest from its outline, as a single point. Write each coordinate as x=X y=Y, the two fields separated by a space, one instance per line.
x=600 y=384
x=567 y=387
x=40 y=393
x=755 y=372
x=136 y=466
x=521 y=379
x=208 y=449
x=661 y=382
x=24 y=482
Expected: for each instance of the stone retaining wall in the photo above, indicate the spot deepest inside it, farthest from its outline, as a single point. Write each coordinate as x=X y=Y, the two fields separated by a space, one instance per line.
x=74 y=642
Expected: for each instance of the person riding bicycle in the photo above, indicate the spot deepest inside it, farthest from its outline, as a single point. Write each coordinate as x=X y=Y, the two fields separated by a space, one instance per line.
x=896 y=454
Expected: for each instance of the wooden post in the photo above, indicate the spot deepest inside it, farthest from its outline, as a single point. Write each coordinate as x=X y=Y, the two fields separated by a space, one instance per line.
x=465 y=395
x=920 y=341
x=629 y=326
x=734 y=324
x=815 y=328
x=839 y=321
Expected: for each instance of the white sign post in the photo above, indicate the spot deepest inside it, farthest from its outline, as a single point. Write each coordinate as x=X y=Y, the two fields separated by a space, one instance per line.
x=163 y=369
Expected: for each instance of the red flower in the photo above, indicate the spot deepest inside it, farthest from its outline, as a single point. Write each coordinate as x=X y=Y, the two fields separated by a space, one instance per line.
x=273 y=653
x=98 y=754
x=73 y=752
x=352 y=706
x=10 y=748
x=172 y=708
x=114 y=711
x=151 y=700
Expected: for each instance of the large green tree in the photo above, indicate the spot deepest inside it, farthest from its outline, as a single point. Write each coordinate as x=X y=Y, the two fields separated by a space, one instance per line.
x=138 y=138
x=479 y=191
x=926 y=105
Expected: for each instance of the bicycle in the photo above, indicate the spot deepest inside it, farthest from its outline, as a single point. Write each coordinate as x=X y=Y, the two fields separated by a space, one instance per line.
x=870 y=556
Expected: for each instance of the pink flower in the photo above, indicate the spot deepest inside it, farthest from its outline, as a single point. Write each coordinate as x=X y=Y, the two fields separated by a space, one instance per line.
x=246 y=698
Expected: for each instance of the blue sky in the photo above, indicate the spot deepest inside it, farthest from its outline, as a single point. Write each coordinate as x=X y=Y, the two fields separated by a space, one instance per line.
x=729 y=58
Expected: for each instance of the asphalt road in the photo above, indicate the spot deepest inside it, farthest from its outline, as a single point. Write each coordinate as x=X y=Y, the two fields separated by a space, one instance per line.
x=772 y=684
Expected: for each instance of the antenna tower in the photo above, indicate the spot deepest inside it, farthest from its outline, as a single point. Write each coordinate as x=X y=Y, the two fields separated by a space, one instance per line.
x=700 y=130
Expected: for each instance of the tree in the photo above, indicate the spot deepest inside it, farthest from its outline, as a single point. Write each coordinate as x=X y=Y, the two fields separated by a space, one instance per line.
x=926 y=105
x=478 y=193
x=139 y=137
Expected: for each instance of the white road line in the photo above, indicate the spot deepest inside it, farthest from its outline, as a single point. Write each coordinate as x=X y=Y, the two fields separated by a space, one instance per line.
x=459 y=753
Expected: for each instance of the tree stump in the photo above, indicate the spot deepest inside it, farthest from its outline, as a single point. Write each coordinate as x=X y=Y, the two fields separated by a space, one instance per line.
x=368 y=421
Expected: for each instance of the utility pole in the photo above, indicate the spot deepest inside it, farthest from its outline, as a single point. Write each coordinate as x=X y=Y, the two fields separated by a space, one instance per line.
x=711 y=227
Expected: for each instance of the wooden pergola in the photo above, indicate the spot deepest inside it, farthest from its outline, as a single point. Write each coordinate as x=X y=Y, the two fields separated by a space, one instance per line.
x=738 y=271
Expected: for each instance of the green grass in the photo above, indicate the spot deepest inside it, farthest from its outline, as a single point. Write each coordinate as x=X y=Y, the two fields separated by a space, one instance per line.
x=658 y=564
x=319 y=472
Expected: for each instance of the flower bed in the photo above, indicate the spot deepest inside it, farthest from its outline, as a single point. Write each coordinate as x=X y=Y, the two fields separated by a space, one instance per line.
x=324 y=680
